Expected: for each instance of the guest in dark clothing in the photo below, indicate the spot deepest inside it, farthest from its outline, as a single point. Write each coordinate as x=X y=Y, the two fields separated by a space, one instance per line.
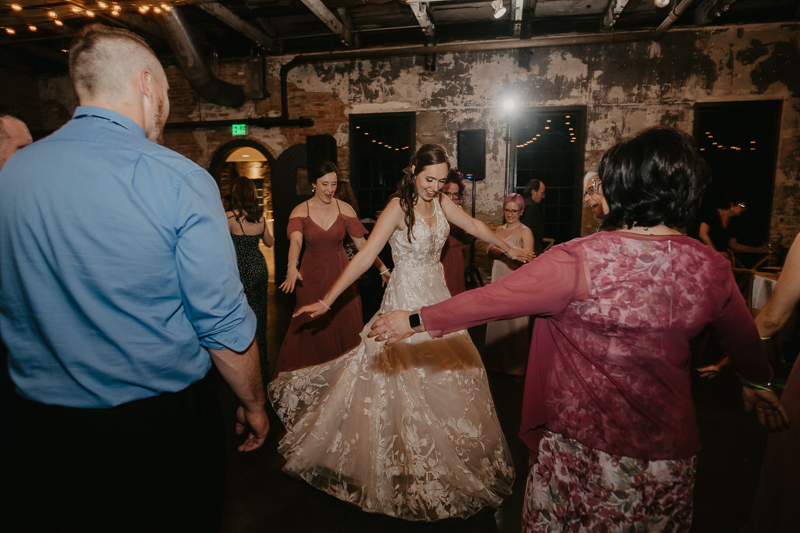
x=532 y=217
x=715 y=229
x=248 y=226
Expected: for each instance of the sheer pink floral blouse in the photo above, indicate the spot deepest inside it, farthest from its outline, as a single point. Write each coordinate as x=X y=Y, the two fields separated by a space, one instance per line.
x=609 y=360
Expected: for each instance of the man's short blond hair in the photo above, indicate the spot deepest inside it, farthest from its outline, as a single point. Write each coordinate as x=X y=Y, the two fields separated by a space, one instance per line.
x=102 y=60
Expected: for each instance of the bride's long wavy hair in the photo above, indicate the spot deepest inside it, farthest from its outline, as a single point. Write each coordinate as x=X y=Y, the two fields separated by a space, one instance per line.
x=428 y=154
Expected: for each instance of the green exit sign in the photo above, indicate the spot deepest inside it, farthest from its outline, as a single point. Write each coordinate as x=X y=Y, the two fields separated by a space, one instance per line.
x=239 y=129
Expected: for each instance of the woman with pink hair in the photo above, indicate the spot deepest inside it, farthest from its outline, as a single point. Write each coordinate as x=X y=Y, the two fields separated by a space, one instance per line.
x=507 y=341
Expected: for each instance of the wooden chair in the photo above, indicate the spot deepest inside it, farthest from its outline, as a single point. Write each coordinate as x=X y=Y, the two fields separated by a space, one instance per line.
x=736 y=263
x=548 y=243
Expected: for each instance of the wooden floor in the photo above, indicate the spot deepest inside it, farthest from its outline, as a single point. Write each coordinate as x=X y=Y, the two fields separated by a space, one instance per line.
x=259 y=497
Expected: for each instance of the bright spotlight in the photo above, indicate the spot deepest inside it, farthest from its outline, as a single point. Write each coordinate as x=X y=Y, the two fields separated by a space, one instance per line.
x=509 y=104
x=499 y=10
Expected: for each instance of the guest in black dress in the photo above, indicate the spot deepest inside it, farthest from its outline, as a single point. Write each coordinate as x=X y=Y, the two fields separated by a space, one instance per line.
x=247 y=225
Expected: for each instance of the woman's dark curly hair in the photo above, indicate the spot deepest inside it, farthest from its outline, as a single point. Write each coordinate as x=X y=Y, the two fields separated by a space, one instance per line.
x=319 y=169
x=427 y=155
x=455 y=176
x=244 y=200
x=657 y=176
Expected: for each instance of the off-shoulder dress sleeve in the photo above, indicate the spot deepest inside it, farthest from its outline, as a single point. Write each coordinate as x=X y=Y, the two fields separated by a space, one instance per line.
x=295 y=224
x=354 y=227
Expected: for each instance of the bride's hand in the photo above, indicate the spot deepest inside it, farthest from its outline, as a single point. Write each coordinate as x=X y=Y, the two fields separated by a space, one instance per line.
x=392 y=327
x=314 y=310
x=385 y=277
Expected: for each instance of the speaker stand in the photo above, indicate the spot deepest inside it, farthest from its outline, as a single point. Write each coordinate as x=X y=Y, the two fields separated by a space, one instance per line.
x=471 y=273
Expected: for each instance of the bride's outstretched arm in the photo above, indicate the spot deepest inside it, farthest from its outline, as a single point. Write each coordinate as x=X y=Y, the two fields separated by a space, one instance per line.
x=391 y=218
x=481 y=231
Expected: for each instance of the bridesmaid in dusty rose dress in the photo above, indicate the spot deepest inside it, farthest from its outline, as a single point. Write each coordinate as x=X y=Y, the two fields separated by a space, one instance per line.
x=452 y=255
x=322 y=223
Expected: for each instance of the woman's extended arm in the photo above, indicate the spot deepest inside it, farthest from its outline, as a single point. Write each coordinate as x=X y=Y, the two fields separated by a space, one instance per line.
x=390 y=220
x=480 y=230
x=269 y=240
x=785 y=296
x=295 y=245
x=734 y=245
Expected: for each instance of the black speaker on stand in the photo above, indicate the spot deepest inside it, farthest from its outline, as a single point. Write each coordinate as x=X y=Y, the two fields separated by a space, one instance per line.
x=472 y=163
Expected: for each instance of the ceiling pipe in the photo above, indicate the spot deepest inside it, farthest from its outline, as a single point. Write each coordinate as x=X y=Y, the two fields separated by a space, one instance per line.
x=674 y=14
x=194 y=67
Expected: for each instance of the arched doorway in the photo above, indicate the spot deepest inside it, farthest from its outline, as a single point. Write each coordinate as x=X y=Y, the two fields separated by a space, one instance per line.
x=248 y=158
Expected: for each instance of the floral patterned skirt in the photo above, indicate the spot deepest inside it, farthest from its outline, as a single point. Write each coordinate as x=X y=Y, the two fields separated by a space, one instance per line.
x=579 y=489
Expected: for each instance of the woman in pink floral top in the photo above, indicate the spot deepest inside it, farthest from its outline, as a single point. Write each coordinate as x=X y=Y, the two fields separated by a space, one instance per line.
x=607 y=412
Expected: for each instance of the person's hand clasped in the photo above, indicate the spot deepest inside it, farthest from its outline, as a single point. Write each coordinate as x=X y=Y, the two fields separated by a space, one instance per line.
x=314 y=310
x=392 y=327
x=259 y=427
x=768 y=408
x=521 y=255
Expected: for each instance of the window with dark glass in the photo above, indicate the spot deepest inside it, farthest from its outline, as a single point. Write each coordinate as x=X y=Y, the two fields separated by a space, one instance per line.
x=548 y=145
x=381 y=147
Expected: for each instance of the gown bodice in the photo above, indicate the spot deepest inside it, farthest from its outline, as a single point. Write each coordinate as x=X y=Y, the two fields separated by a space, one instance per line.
x=425 y=248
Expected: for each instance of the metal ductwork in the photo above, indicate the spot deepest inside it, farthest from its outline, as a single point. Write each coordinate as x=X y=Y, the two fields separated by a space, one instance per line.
x=194 y=67
x=676 y=12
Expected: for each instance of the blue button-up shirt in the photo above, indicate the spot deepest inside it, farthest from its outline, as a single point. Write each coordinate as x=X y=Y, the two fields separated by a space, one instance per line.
x=116 y=266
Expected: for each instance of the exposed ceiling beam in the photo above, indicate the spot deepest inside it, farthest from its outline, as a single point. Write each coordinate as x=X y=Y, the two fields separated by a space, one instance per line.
x=612 y=12
x=330 y=20
x=420 y=10
x=226 y=15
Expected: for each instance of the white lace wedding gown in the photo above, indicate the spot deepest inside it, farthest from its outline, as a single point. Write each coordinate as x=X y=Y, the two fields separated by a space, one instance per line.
x=410 y=430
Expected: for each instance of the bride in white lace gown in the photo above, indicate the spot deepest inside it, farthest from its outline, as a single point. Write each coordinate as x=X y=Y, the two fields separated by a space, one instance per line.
x=409 y=430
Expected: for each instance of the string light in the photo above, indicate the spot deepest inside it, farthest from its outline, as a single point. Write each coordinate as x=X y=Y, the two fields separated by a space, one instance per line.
x=144 y=9
x=58 y=23
x=16 y=7
x=115 y=13
x=102 y=5
x=52 y=14
x=166 y=7
x=76 y=9
x=32 y=27
x=89 y=13
x=116 y=8
x=11 y=31
x=156 y=10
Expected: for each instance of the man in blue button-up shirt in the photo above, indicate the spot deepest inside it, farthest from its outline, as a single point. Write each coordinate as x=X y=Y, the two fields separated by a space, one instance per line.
x=119 y=287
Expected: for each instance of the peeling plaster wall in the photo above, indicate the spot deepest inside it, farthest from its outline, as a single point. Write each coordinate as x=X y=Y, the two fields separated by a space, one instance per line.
x=624 y=88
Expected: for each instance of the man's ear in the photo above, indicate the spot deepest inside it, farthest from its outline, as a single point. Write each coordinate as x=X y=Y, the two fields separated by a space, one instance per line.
x=145 y=82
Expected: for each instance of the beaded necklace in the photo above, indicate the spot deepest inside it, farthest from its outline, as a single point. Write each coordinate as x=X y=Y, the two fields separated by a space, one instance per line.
x=429 y=216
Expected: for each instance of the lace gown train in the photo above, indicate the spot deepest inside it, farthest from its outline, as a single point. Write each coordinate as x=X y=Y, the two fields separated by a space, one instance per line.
x=410 y=430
